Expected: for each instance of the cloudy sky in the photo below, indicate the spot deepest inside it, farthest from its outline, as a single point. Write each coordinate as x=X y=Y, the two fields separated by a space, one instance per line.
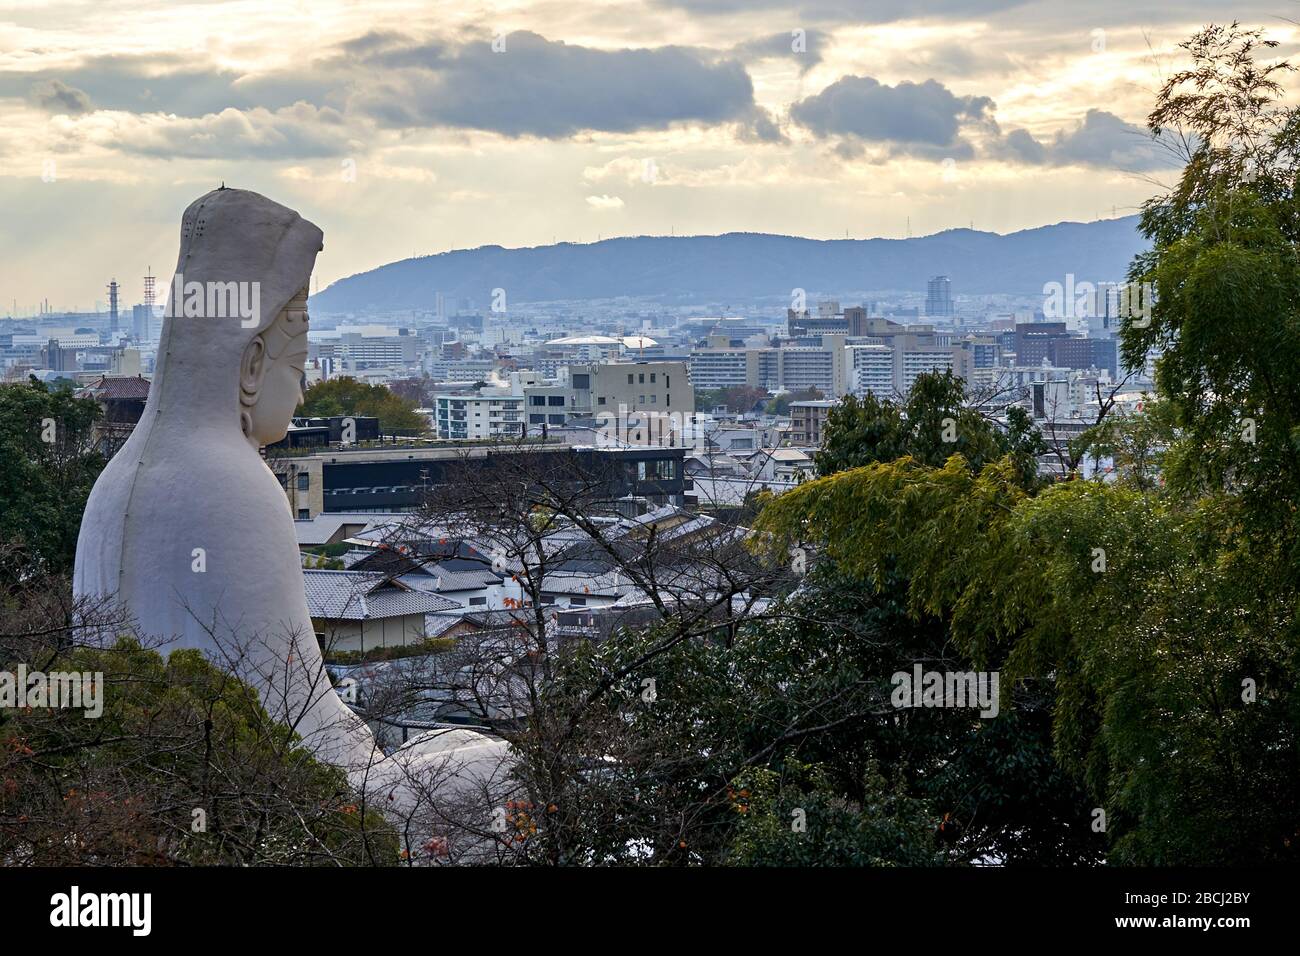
x=404 y=127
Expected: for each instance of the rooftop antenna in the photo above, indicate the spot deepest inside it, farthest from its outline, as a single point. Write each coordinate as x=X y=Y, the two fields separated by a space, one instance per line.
x=909 y=227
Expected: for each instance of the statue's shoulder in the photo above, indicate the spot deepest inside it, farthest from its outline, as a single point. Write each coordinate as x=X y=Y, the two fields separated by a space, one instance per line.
x=217 y=485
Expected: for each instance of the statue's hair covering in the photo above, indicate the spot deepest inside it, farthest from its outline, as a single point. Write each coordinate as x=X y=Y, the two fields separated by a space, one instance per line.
x=241 y=236
x=228 y=235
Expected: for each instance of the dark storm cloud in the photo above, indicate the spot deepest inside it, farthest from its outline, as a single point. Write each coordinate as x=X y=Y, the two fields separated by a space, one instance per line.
x=395 y=51
x=372 y=42
x=551 y=89
x=1020 y=146
x=928 y=120
x=914 y=118
x=761 y=128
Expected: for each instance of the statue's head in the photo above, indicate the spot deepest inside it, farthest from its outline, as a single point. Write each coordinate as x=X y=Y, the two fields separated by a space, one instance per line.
x=238 y=365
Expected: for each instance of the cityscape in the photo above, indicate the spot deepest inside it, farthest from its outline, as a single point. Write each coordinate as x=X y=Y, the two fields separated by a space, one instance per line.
x=687 y=435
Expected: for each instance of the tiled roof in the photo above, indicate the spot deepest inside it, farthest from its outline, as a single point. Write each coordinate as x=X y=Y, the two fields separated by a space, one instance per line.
x=609 y=584
x=389 y=561
x=114 y=387
x=318 y=530
x=435 y=625
x=353 y=596
x=463 y=580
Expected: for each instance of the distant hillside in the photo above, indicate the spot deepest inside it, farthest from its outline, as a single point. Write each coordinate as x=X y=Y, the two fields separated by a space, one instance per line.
x=743 y=267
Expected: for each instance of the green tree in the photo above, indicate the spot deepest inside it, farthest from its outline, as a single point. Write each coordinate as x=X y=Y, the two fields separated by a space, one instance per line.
x=1138 y=445
x=727 y=717
x=934 y=422
x=48 y=465
x=1106 y=594
x=781 y=404
x=183 y=767
x=735 y=398
x=348 y=396
x=801 y=819
x=996 y=780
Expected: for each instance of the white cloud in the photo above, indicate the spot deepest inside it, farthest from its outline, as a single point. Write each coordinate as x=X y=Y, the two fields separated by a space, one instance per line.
x=301 y=131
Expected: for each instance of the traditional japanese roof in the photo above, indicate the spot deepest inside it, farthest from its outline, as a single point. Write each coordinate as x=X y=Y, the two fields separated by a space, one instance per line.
x=354 y=596
x=118 y=388
x=472 y=580
x=323 y=528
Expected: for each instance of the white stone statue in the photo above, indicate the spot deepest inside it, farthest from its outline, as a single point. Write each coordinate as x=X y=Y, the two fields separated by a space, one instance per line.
x=189 y=530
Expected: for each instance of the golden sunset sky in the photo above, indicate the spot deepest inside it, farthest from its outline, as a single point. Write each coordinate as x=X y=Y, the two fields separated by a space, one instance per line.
x=416 y=127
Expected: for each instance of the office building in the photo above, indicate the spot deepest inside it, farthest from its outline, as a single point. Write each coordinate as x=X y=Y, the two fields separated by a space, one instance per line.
x=938 y=297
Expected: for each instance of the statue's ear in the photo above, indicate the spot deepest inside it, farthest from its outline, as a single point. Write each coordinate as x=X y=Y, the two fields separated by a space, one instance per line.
x=252 y=367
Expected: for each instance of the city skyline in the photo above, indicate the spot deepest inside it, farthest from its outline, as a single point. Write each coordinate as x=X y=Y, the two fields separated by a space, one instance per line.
x=414 y=128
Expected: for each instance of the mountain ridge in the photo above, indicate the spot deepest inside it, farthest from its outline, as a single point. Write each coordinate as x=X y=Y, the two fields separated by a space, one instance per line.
x=744 y=267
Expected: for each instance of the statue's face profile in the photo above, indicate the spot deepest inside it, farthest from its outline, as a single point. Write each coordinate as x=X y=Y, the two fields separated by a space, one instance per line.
x=272 y=374
x=280 y=395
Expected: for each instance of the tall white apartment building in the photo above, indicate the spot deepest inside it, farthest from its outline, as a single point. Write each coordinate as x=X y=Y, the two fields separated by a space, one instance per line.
x=615 y=387
x=800 y=367
x=723 y=367
x=479 y=416
x=888 y=370
x=871 y=370
x=915 y=361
